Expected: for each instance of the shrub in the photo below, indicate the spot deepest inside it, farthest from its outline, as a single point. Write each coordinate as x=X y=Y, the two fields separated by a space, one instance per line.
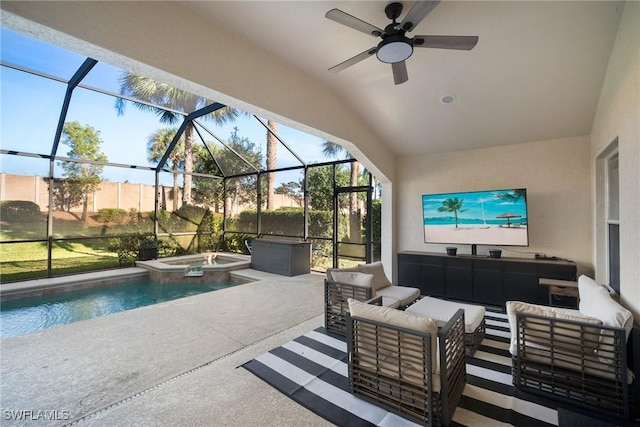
x=126 y=247
x=19 y=211
x=187 y=218
x=117 y=215
x=235 y=242
x=288 y=221
x=213 y=241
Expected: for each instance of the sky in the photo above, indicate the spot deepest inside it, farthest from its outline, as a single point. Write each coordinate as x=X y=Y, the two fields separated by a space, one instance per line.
x=30 y=109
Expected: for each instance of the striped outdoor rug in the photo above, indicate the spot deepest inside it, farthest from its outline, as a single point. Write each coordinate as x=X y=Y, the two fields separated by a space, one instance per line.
x=312 y=370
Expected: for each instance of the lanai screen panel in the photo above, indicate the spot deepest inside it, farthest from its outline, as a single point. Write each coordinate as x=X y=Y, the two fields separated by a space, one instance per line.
x=29 y=111
x=286 y=216
x=24 y=188
x=225 y=154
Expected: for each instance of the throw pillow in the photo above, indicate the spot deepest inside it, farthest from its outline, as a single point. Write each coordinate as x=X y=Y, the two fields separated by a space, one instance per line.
x=377 y=270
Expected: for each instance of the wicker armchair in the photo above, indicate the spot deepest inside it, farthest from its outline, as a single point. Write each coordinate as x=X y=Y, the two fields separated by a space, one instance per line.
x=358 y=286
x=556 y=358
x=416 y=370
x=578 y=357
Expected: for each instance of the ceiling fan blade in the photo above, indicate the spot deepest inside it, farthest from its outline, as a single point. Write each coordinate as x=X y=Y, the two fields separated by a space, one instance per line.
x=352 y=22
x=418 y=13
x=399 y=72
x=446 y=42
x=352 y=61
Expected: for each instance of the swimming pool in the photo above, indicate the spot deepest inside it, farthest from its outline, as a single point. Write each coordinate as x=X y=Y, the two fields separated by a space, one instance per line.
x=25 y=315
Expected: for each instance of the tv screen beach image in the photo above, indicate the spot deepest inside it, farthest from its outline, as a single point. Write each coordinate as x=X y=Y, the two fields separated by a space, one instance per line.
x=497 y=217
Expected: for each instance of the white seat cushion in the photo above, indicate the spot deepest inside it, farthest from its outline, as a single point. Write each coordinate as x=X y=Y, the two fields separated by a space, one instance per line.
x=402 y=293
x=441 y=311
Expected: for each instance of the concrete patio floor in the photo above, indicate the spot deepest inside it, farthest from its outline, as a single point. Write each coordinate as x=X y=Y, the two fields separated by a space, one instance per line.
x=174 y=363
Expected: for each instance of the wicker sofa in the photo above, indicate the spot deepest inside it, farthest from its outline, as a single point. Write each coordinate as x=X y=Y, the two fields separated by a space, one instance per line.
x=578 y=357
x=405 y=363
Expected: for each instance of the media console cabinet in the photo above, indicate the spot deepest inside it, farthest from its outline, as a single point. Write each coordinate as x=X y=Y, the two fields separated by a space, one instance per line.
x=479 y=279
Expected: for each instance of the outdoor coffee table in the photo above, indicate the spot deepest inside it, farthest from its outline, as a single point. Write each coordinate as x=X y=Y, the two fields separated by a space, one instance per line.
x=441 y=311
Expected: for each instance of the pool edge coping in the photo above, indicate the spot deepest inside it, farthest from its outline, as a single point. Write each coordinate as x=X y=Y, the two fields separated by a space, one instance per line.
x=17 y=289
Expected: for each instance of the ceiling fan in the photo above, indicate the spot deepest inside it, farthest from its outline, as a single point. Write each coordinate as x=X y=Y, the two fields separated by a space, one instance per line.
x=395 y=46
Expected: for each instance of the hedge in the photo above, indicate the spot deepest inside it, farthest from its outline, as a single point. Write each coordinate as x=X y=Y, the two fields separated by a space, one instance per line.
x=20 y=211
x=288 y=222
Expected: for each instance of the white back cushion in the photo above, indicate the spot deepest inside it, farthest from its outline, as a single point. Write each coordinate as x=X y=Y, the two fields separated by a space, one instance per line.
x=330 y=271
x=377 y=270
x=354 y=278
x=596 y=301
x=571 y=336
x=402 y=319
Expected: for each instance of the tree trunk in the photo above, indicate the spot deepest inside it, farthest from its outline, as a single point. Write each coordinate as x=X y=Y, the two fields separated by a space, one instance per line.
x=272 y=156
x=354 y=217
x=85 y=203
x=175 y=192
x=188 y=163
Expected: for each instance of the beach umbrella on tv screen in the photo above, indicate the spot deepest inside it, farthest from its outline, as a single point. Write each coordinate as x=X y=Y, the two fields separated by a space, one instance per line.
x=509 y=215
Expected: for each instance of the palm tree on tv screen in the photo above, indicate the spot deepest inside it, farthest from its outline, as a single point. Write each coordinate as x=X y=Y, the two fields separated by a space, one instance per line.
x=514 y=196
x=453 y=205
x=176 y=101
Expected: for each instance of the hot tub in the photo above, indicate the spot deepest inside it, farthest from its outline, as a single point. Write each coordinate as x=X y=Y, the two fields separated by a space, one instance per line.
x=200 y=268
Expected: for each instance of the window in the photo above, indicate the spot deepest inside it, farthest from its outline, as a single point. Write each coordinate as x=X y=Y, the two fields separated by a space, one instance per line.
x=613 y=220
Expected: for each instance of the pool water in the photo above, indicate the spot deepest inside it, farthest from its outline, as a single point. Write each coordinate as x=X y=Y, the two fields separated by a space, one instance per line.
x=27 y=315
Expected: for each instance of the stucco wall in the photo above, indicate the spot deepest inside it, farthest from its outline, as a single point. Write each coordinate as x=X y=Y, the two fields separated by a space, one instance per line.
x=618 y=117
x=140 y=197
x=555 y=174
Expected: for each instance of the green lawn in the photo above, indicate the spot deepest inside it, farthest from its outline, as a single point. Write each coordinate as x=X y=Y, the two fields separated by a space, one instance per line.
x=22 y=261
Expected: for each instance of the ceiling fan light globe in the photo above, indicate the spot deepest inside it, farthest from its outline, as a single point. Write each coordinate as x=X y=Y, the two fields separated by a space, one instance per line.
x=394 y=49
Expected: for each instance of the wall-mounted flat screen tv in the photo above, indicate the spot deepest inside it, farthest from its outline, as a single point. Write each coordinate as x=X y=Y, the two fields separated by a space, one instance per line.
x=495 y=217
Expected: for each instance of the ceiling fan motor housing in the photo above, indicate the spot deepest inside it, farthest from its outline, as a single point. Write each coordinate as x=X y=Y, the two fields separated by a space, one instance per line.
x=395 y=46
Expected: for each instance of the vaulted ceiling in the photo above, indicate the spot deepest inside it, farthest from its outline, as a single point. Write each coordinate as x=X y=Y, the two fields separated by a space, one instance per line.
x=535 y=74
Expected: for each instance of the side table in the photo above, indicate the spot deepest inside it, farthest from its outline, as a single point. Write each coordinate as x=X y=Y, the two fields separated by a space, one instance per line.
x=562 y=293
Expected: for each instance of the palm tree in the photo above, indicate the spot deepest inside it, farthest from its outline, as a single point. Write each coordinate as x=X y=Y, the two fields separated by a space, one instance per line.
x=272 y=155
x=331 y=149
x=452 y=205
x=162 y=95
x=514 y=196
x=156 y=147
